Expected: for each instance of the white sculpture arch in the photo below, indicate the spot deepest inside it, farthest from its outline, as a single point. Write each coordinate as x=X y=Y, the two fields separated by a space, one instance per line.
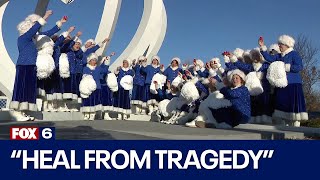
x=149 y=36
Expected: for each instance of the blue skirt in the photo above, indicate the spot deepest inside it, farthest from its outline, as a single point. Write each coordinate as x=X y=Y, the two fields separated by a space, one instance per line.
x=151 y=98
x=121 y=101
x=92 y=103
x=69 y=87
x=52 y=86
x=106 y=98
x=25 y=88
x=229 y=116
x=290 y=103
x=261 y=105
x=78 y=79
x=139 y=96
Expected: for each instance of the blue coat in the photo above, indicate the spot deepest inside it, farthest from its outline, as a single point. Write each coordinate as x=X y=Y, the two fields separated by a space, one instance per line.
x=149 y=72
x=293 y=58
x=81 y=58
x=240 y=100
x=96 y=73
x=247 y=68
x=123 y=73
x=57 y=50
x=138 y=79
x=27 y=49
x=172 y=74
x=50 y=32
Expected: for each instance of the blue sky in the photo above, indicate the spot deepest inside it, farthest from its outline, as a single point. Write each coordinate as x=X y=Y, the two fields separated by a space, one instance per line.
x=196 y=28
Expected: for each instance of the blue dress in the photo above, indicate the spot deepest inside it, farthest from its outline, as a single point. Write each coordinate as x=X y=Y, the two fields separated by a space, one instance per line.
x=289 y=101
x=149 y=71
x=240 y=110
x=25 y=84
x=121 y=98
x=94 y=102
x=106 y=94
x=139 y=92
x=262 y=108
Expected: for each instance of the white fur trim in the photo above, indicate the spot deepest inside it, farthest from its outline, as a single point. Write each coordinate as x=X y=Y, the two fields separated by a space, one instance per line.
x=289 y=50
x=64 y=70
x=65 y=34
x=190 y=92
x=277 y=74
x=205 y=81
x=236 y=72
x=77 y=40
x=156 y=57
x=127 y=82
x=59 y=24
x=200 y=63
x=291 y=116
x=253 y=84
x=90 y=40
x=226 y=59
x=107 y=60
x=287 y=40
x=274 y=47
x=238 y=53
x=212 y=73
x=91 y=109
x=23 y=106
x=185 y=67
x=87 y=85
x=263 y=48
x=288 y=66
x=121 y=110
x=234 y=59
x=44 y=44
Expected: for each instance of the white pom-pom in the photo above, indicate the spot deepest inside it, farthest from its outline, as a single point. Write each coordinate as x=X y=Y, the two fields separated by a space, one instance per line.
x=163 y=108
x=216 y=100
x=64 y=70
x=127 y=82
x=253 y=84
x=45 y=66
x=277 y=75
x=87 y=86
x=112 y=82
x=190 y=92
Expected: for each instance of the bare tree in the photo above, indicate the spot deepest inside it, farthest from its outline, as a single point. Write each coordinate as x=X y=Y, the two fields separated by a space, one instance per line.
x=310 y=73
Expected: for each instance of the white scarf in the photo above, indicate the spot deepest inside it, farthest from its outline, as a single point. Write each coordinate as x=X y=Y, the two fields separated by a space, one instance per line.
x=174 y=68
x=257 y=66
x=125 y=69
x=155 y=66
x=91 y=67
x=289 y=50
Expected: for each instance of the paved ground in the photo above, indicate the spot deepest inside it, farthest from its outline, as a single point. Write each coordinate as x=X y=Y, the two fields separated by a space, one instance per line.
x=130 y=130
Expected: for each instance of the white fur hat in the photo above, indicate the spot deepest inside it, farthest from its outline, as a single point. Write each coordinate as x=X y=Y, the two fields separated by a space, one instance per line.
x=24 y=26
x=190 y=92
x=128 y=60
x=256 y=51
x=127 y=82
x=176 y=59
x=177 y=81
x=246 y=53
x=287 y=40
x=274 y=47
x=236 y=72
x=200 y=63
x=238 y=53
x=157 y=58
x=90 y=40
x=91 y=57
x=33 y=18
x=215 y=60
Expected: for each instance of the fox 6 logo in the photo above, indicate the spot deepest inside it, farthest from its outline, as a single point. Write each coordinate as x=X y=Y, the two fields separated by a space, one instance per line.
x=32 y=133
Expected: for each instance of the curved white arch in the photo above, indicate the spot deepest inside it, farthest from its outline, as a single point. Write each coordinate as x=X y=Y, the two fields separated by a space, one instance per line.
x=149 y=35
x=8 y=69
